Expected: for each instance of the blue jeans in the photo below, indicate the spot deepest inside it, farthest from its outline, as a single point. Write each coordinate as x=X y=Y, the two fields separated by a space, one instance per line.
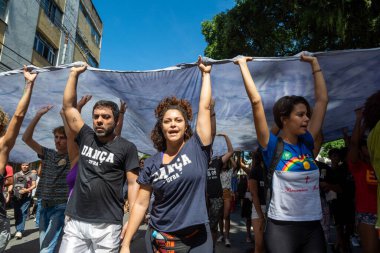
x=5 y=233
x=38 y=212
x=21 y=208
x=52 y=220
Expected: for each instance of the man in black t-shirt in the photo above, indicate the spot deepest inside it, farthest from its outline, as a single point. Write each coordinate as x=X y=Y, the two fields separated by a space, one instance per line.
x=95 y=208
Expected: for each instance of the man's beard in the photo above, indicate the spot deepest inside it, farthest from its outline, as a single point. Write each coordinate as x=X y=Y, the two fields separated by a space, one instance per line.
x=107 y=132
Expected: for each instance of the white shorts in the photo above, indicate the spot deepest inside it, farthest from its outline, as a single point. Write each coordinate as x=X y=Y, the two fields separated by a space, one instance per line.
x=254 y=213
x=86 y=237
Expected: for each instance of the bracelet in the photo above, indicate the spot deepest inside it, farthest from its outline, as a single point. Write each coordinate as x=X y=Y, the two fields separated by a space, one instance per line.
x=122 y=112
x=318 y=70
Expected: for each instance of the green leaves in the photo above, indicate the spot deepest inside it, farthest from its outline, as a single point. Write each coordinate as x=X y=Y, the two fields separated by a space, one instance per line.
x=286 y=27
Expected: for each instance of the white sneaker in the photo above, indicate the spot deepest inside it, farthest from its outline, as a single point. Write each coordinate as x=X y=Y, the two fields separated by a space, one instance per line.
x=18 y=235
x=227 y=242
x=220 y=238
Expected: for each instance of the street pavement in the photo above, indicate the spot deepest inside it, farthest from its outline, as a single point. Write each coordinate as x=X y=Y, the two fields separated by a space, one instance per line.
x=29 y=243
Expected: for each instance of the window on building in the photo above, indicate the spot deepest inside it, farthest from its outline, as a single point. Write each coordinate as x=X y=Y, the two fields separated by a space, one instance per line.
x=44 y=48
x=52 y=11
x=3 y=9
x=89 y=57
x=95 y=36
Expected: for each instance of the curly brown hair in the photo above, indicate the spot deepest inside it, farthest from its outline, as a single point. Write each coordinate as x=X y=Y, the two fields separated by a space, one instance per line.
x=371 y=112
x=165 y=104
x=4 y=121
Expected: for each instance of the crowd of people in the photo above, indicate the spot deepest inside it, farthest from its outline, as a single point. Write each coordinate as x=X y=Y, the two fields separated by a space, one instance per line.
x=93 y=176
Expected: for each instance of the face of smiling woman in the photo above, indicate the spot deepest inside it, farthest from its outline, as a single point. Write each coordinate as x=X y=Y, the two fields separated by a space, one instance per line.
x=173 y=126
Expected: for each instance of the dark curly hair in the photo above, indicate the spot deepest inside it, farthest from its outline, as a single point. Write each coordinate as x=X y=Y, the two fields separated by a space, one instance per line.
x=4 y=120
x=165 y=104
x=371 y=112
x=284 y=106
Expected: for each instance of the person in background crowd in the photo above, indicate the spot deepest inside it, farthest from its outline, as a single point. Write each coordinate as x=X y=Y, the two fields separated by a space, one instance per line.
x=295 y=209
x=229 y=168
x=8 y=135
x=52 y=188
x=24 y=183
x=246 y=197
x=371 y=120
x=256 y=184
x=8 y=184
x=365 y=187
x=177 y=175
x=214 y=185
x=340 y=189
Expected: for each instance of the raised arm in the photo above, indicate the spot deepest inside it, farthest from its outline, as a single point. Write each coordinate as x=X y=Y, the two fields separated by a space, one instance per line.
x=27 y=137
x=320 y=93
x=73 y=117
x=72 y=147
x=203 y=121
x=353 y=150
x=213 y=119
x=259 y=119
x=8 y=141
x=318 y=141
x=120 y=121
x=230 y=150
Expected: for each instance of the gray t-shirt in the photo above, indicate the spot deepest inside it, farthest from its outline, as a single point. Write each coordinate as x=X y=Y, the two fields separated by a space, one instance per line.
x=52 y=186
x=23 y=180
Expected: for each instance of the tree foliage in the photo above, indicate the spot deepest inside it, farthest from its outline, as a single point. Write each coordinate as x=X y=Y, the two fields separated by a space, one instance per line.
x=338 y=144
x=286 y=27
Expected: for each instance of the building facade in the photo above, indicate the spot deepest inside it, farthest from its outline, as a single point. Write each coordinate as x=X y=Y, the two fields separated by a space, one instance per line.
x=49 y=33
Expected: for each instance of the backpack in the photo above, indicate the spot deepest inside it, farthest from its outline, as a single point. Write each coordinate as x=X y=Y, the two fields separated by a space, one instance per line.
x=268 y=182
x=20 y=183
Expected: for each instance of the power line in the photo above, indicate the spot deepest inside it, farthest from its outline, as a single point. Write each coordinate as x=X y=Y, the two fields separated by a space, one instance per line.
x=15 y=53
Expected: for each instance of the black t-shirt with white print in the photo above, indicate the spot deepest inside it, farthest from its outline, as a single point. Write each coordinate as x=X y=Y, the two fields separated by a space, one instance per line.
x=98 y=192
x=214 y=185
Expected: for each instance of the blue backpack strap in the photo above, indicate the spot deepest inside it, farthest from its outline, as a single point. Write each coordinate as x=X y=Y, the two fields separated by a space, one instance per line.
x=269 y=178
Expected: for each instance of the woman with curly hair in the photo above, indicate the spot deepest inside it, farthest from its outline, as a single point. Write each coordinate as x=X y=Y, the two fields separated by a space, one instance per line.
x=371 y=118
x=294 y=209
x=177 y=177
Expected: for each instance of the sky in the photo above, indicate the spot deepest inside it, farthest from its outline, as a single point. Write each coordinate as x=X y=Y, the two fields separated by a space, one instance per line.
x=154 y=34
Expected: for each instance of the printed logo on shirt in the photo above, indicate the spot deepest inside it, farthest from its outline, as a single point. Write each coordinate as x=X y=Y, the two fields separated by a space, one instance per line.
x=173 y=171
x=286 y=155
x=300 y=163
x=211 y=174
x=97 y=156
x=62 y=162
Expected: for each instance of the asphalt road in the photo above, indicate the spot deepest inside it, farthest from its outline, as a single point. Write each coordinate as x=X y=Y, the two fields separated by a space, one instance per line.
x=29 y=243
